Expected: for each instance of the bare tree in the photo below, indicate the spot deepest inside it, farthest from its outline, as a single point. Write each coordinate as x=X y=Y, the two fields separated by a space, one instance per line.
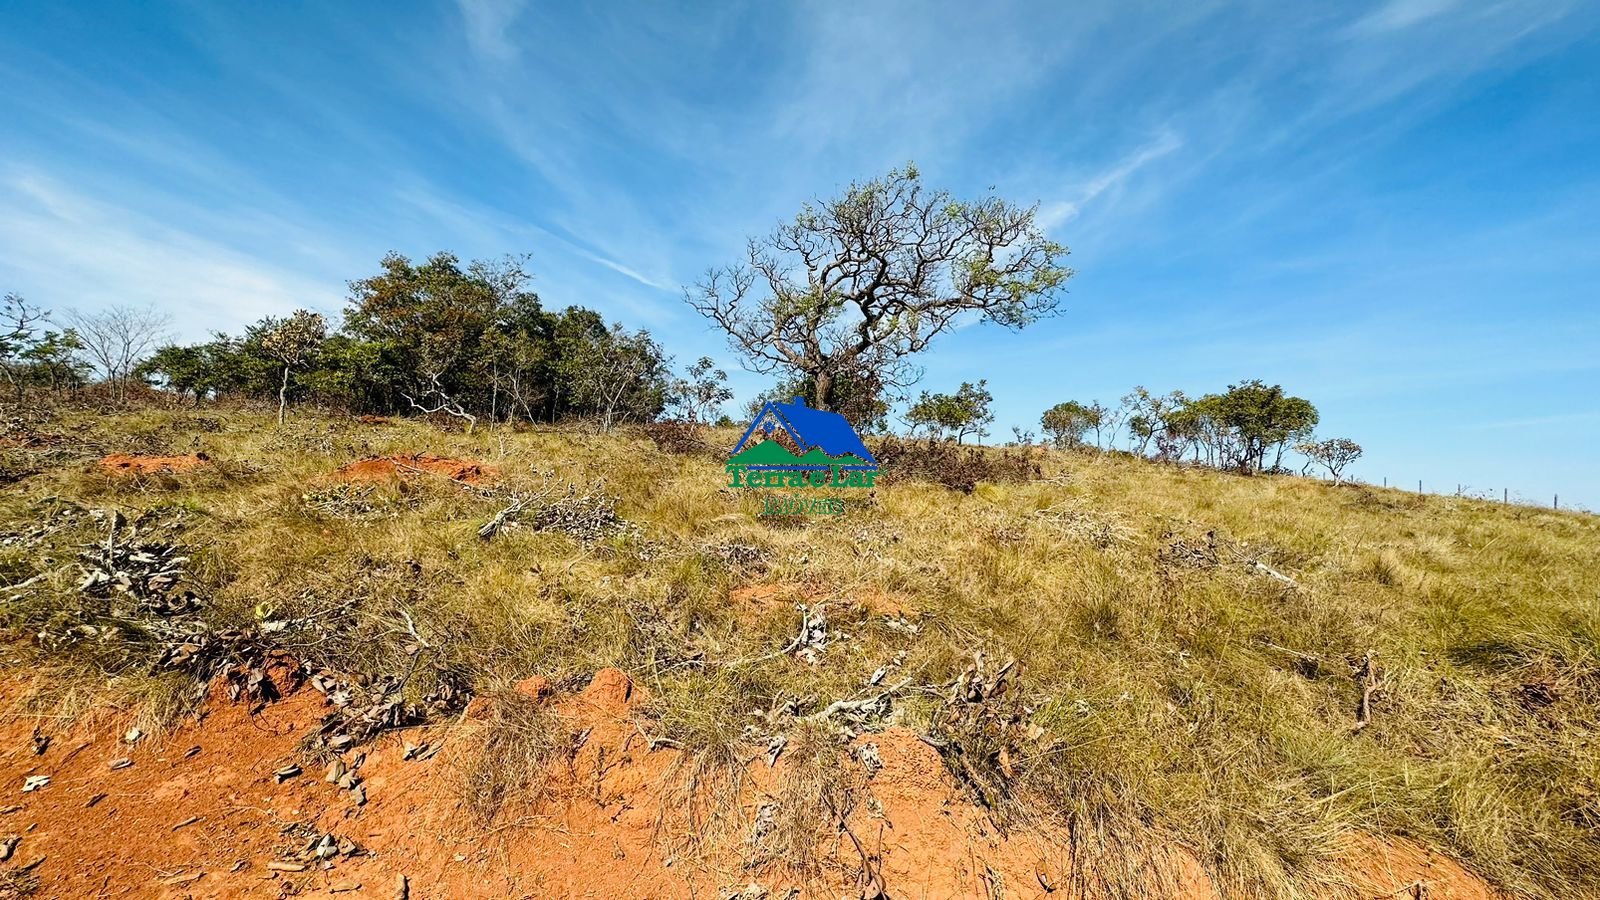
x=116 y=338
x=864 y=281
x=442 y=402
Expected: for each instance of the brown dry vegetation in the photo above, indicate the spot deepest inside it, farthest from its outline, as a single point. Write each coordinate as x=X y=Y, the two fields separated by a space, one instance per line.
x=1170 y=693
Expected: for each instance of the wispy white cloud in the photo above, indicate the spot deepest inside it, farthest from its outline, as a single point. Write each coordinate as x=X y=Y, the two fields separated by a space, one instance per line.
x=629 y=273
x=1398 y=14
x=487 y=24
x=562 y=261
x=923 y=93
x=1058 y=212
x=68 y=250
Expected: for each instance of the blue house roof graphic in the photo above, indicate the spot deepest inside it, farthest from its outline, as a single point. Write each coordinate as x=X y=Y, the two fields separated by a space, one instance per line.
x=808 y=428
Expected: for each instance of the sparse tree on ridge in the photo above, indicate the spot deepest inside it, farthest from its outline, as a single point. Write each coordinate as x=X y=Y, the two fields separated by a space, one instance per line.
x=701 y=392
x=291 y=342
x=1333 y=454
x=866 y=280
x=1237 y=429
x=117 y=338
x=19 y=322
x=1251 y=419
x=1068 y=423
x=957 y=415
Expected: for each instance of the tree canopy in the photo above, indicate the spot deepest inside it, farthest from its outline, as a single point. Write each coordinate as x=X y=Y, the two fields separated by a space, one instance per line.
x=471 y=341
x=856 y=286
x=1235 y=429
x=1068 y=423
x=956 y=415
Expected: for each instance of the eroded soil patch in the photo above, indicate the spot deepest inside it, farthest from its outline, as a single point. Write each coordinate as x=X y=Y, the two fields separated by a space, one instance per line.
x=232 y=805
x=387 y=468
x=129 y=464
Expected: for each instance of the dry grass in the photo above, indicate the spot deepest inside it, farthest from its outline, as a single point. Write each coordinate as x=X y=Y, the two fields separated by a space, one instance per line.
x=15 y=885
x=1177 y=688
x=508 y=761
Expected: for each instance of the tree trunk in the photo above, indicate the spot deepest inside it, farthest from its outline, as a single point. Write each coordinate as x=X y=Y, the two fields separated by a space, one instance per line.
x=822 y=388
x=283 y=396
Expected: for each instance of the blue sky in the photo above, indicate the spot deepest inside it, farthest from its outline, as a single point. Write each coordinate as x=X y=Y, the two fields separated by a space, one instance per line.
x=1388 y=207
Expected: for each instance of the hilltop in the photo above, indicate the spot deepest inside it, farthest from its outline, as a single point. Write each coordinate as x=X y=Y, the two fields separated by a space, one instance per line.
x=591 y=669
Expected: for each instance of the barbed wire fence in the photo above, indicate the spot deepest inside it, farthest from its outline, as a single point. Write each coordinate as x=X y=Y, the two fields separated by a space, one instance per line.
x=1468 y=492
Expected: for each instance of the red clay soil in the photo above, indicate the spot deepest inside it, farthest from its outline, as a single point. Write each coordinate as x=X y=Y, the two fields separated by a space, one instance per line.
x=760 y=598
x=125 y=464
x=199 y=813
x=1395 y=868
x=388 y=468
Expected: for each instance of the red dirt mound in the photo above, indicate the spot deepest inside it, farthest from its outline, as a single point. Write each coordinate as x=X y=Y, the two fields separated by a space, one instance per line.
x=123 y=463
x=385 y=468
x=755 y=599
x=208 y=811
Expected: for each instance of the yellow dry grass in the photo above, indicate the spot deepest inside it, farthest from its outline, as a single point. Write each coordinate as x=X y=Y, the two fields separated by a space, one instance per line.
x=1180 y=687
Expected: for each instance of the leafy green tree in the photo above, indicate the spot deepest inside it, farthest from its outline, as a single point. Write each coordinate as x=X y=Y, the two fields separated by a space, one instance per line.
x=612 y=375
x=437 y=337
x=867 y=280
x=181 y=369
x=1150 y=418
x=353 y=374
x=522 y=358
x=431 y=318
x=29 y=357
x=1183 y=428
x=1067 y=424
x=960 y=414
x=53 y=362
x=1252 y=419
x=19 y=323
x=699 y=395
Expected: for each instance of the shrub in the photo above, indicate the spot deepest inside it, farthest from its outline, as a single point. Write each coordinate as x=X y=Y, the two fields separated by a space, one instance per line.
x=953 y=465
x=681 y=438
